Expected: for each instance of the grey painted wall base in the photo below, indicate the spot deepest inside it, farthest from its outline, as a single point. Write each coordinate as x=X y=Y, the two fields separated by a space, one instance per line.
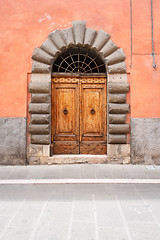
x=12 y=141
x=145 y=140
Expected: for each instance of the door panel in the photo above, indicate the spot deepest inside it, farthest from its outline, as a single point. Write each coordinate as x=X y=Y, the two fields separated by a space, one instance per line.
x=96 y=148
x=65 y=111
x=79 y=115
x=92 y=106
x=65 y=147
x=91 y=111
x=65 y=120
x=93 y=118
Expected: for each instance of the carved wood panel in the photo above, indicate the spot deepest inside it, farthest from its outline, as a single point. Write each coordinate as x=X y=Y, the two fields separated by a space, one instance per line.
x=79 y=115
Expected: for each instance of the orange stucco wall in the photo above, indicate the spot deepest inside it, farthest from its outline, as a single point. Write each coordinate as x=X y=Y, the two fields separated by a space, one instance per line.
x=25 y=25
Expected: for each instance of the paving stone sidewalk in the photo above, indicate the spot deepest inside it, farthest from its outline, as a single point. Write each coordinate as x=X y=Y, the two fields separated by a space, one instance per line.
x=80 y=171
x=80 y=211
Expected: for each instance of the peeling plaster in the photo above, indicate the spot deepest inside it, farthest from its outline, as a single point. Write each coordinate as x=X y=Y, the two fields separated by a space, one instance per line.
x=45 y=17
x=59 y=25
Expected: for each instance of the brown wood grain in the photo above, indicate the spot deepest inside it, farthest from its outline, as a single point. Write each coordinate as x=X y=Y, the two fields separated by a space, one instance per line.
x=83 y=128
x=64 y=147
x=93 y=125
x=95 y=148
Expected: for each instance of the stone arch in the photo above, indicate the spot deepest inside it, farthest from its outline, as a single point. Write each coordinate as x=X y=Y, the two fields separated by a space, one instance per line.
x=59 y=40
x=40 y=88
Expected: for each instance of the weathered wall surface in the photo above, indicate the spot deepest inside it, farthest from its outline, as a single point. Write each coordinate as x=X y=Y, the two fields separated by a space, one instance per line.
x=12 y=141
x=26 y=24
x=145 y=140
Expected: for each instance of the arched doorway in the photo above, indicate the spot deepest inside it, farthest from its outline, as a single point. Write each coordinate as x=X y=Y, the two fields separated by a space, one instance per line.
x=79 y=112
x=62 y=52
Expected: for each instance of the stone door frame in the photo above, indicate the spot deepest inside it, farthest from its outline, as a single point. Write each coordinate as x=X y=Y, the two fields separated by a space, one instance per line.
x=40 y=88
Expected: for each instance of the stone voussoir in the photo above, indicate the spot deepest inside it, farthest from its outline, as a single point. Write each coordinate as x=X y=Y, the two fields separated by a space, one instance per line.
x=118 y=87
x=118 y=128
x=38 y=129
x=117 y=118
x=67 y=35
x=40 y=118
x=50 y=47
x=117 y=139
x=115 y=57
x=108 y=48
x=101 y=39
x=40 y=55
x=79 y=28
x=39 y=108
x=58 y=40
x=116 y=98
x=39 y=67
x=40 y=139
x=40 y=98
x=118 y=108
x=40 y=87
x=117 y=68
x=90 y=36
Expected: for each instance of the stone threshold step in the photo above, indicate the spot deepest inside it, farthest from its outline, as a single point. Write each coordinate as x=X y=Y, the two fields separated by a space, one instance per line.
x=77 y=158
x=79 y=181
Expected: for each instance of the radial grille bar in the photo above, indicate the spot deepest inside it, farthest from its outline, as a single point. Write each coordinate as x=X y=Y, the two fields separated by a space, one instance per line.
x=79 y=60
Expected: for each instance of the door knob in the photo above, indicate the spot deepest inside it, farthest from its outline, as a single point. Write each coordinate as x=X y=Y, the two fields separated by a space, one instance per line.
x=92 y=111
x=65 y=111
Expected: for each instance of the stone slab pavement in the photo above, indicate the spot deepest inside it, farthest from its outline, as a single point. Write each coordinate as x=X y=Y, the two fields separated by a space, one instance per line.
x=80 y=211
x=81 y=171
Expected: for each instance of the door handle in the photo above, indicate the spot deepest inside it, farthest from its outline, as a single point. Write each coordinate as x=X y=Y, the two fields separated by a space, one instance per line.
x=65 y=111
x=92 y=111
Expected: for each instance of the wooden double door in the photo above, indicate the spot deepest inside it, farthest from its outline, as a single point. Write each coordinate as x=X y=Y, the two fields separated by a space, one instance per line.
x=79 y=115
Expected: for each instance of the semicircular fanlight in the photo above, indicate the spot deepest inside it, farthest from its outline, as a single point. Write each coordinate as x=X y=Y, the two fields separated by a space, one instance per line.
x=79 y=60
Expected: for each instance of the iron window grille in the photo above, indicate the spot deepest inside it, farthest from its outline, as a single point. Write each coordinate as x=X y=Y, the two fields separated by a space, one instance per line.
x=79 y=60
